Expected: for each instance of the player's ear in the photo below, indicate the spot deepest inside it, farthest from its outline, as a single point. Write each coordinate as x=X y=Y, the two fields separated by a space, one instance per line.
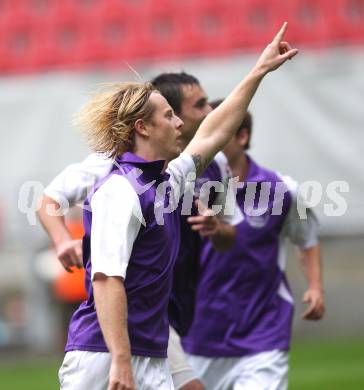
x=141 y=128
x=243 y=137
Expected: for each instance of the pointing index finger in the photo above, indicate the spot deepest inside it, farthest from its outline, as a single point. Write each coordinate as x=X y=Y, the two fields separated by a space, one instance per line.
x=278 y=38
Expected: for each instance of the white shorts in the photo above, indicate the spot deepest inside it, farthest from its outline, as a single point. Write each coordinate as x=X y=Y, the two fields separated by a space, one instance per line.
x=262 y=371
x=90 y=370
x=181 y=370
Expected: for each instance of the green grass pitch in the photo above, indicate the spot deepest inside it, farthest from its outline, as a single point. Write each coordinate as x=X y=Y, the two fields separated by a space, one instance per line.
x=314 y=366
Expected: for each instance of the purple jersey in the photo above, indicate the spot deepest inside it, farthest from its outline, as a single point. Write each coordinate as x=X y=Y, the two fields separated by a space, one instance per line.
x=241 y=305
x=182 y=302
x=148 y=279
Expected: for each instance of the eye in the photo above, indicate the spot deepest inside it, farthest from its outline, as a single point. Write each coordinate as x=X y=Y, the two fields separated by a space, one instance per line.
x=201 y=103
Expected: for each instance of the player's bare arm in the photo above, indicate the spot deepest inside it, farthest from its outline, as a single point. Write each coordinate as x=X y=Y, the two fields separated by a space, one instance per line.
x=314 y=295
x=111 y=308
x=72 y=185
x=229 y=115
x=68 y=250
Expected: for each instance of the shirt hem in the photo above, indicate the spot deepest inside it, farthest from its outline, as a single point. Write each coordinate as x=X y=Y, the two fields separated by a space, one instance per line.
x=226 y=353
x=134 y=351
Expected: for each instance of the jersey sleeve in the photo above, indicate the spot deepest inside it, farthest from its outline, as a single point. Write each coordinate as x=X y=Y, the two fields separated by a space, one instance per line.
x=235 y=216
x=116 y=222
x=74 y=182
x=302 y=232
x=182 y=170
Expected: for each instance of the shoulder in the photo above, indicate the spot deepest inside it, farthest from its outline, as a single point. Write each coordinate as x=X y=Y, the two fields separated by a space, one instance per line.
x=115 y=187
x=273 y=176
x=184 y=162
x=221 y=160
x=283 y=186
x=98 y=158
x=292 y=184
x=96 y=161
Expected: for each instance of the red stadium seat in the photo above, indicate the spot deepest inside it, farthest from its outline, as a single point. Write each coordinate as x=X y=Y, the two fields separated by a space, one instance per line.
x=254 y=22
x=117 y=33
x=42 y=34
x=16 y=42
x=308 y=22
x=347 y=19
x=160 y=28
x=208 y=24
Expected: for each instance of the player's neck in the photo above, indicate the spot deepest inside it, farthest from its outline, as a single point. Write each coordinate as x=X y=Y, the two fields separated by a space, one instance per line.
x=185 y=139
x=240 y=166
x=148 y=154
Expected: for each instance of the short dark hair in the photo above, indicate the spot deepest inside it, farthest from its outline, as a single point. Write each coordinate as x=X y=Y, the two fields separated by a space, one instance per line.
x=170 y=86
x=246 y=124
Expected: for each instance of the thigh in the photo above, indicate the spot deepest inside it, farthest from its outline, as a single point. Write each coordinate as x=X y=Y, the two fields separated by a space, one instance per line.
x=214 y=373
x=263 y=371
x=151 y=373
x=84 y=370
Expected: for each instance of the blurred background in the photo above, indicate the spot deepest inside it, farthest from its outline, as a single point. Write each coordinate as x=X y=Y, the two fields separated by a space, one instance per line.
x=308 y=123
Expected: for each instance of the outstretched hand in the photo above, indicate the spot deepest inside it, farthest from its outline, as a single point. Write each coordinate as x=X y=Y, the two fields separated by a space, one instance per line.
x=276 y=53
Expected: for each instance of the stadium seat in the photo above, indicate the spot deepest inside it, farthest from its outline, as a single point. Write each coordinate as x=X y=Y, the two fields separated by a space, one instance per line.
x=160 y=28
x=16 y=42
x=254 y=22
x=210 y=23
x=42 y=34
x=347 y=17
x=308 y=22
x=121 y=38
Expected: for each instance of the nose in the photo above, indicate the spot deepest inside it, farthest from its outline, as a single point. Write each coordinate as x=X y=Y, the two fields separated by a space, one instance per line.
x=208 y=108
x=179 y=122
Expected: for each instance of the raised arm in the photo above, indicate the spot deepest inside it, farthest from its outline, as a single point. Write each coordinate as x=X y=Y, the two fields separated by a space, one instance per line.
x=221 y=124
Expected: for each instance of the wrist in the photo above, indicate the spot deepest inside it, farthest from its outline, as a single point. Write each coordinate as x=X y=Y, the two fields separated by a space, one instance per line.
x=121 y=357
x=316 y=286
x=258 y=72
x=60 y=239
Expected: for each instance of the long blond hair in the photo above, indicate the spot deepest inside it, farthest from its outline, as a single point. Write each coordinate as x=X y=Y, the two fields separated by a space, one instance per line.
x=108 y=119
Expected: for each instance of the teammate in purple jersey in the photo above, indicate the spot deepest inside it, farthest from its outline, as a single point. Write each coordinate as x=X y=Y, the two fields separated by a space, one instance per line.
x=241 y=332
x=149 y=142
